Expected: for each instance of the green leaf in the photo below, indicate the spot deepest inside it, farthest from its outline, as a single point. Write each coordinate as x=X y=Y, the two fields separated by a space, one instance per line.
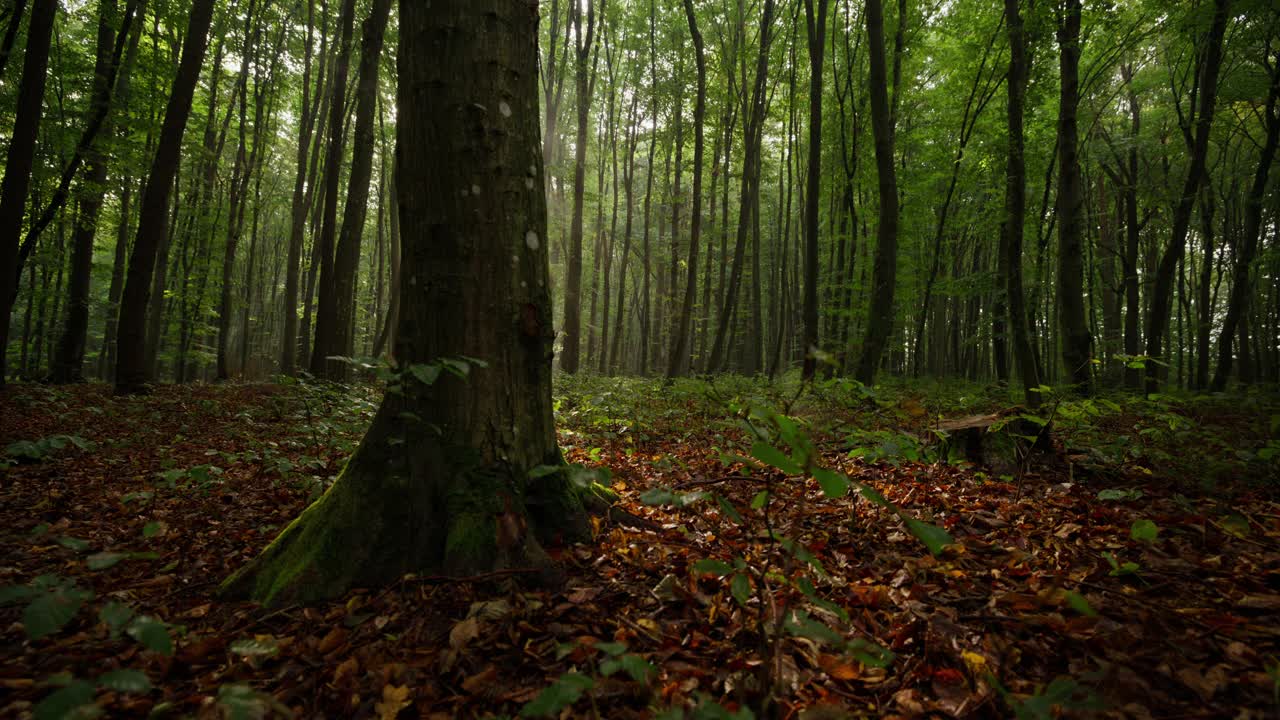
x=773 y=457
x=115 y=615
x=637 y=667
x=869 y=653
x=760 y=500
x=1144 y=530
x=50 y=611
x=104 y=560
x=74 y=543
x=729 y=510
x=834 y=484
x=611 y=648
x=804 y=626
x=1080 y=604
x=542 y=471
x=125 y=681
x=250 y=647
x=933 y=537
x=152 y=529
x=718 y=568
x=1120 y=494
x=425 y=373
x=152 y=633
x=241 y=702
x=15 y=594
x=740 y=588
x=564 y=692
x=657 y=496
x=73 y=701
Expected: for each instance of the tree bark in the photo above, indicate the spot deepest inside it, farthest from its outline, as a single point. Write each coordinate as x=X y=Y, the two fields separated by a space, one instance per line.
x=884 y=274
x=337 y=290
x=1158 y=320
x=132 y=373
x=1076 y=341
x=570 y=353
x=19 y=160
x=816 y=26
x=450 y=490
x=1015 y=201
x=679 y=360
x=1238 y=304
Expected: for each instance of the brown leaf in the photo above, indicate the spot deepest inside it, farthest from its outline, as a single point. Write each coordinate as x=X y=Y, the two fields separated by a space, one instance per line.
x=464 y=632
x=476 y=684
x=394 y=699
x=332 y=641
x=839 y=667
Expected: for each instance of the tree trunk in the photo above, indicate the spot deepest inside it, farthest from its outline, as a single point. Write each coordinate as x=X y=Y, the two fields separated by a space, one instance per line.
x=679 y=360
x=1158 y=320
x=451 y=491
x=816 y=26
x=132 y=372
x=337 y=290
x=1238 y=303
x=326 y=309
x=68 y=360
x=1015 y=200
x=885 y=271
x=19 y=160
x=298 y=216
x=570 y=353
x=750 y=195
x=1077 y=342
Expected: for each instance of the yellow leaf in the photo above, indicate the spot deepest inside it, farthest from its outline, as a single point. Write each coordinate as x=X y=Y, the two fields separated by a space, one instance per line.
x=394 y=699
x=975 y=662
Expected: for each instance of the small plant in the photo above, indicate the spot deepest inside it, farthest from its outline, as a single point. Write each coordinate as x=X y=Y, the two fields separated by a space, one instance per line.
x=603 y=659
x=38 y=450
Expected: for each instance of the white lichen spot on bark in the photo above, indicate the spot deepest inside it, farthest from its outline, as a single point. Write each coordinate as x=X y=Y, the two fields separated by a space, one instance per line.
x=505 y=109
x=475 y=189
x=528 y=183
x=531 y=240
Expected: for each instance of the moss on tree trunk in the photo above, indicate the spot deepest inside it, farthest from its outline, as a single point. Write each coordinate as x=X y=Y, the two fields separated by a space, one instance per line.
x=441 y=482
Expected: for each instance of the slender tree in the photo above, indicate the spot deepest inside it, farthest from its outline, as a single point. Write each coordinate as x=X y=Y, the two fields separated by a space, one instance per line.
x=885 y=273
x=816 y=26
x=1077 y=342
x=584 y=40
x=133 y=372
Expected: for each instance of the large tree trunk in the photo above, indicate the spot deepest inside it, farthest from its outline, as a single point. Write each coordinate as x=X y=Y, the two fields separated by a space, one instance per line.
x=1015 y=201
x=679 y=360
x=884 y=274
x=337 y=290
x=1076 y=341
x=21 y=155
x=1158 y=321
x=132 y=372
x=1132 y=302
x=1238 y=304
x=450 y=490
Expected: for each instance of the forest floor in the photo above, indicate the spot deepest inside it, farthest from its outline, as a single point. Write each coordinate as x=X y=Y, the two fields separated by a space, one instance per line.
x=1132 y=571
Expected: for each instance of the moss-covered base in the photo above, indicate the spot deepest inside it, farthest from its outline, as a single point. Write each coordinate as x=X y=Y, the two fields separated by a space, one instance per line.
x=388 y=515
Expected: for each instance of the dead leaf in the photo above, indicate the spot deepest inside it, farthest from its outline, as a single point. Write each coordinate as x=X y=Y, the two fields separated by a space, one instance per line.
x=476 y=684
x=464 y=632
x=394 y=699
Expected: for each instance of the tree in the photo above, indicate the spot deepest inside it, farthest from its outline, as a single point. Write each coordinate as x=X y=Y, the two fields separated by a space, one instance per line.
x=327 y=310
x=442 y=480
x=584 y=85
x=1015 y=200
x=683 y=340
x=816 y=27
x=885 y=273
x=1207 y=89
x=334 y=322
x=18 y=161
x=132 y=371
x=1238 y=303
x=1077 y=342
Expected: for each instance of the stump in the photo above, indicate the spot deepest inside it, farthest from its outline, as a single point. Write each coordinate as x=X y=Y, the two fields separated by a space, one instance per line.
x=1000 y=441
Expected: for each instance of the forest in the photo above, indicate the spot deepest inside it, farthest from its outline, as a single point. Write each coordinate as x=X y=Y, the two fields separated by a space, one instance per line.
x=637 y=359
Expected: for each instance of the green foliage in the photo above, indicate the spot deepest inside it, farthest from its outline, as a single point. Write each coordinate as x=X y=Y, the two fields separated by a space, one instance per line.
x=38 y=450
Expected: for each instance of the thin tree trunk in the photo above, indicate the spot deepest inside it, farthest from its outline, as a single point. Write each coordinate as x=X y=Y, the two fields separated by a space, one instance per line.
x=679 y=360
x=1077 y=342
